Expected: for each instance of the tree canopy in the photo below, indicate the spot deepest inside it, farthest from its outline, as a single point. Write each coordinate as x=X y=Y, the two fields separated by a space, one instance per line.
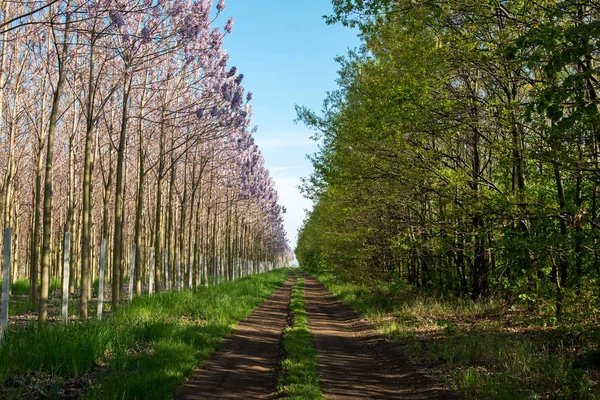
x=461 y=150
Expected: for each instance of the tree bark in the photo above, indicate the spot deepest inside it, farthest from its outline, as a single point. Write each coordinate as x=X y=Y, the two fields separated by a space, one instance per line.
x=48 y=180
x=117 y=263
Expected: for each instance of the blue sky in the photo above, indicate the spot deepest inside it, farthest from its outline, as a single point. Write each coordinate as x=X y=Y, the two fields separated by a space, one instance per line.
x=286 y=53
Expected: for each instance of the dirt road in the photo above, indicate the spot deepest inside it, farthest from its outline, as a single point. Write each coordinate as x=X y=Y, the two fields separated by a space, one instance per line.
x=244 y=366
x=356 y=362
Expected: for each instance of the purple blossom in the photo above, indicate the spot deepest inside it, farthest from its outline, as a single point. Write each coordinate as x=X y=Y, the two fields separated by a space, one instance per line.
x=221 y=5
x=237 y=100
x=176 y=8
x=199 y=113
x=188 y=57
x=229 y=26
x=226 y=92
x=239 y=79
x=145 y=35
x=214 y=111
x=216 y=40
x=203 y=58
x=116 y=19
x=94 y=7
x=249 y=96
x=223 y=60
x=232 y=72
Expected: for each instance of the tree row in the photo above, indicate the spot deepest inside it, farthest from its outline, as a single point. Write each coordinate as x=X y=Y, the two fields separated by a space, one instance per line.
x=121 y=121
x=461 y=152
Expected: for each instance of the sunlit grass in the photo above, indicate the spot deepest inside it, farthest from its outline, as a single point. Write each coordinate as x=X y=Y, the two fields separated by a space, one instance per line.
x=300 y=379
x=20 y=303
x=145 y=351
x=484 y=349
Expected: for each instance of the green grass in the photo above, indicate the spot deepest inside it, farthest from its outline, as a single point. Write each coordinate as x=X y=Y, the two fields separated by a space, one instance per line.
x=486 y=349
x=21 y=286
x=19 y=300
x=300 y=379
x=145 y=351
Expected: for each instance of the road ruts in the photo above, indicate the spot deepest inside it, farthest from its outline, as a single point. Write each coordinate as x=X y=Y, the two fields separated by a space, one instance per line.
x=243 y=368
x=356 y=362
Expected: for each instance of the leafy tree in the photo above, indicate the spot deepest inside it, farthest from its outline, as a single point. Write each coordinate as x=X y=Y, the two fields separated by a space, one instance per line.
x=459 y=152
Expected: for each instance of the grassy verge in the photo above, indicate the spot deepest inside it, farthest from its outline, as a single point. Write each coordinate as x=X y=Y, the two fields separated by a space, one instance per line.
x=145 y=351
x=300 y=379
x=486 y=350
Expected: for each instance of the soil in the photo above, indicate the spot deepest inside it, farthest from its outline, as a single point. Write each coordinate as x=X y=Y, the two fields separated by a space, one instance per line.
x=354 y=360
x=244 y=367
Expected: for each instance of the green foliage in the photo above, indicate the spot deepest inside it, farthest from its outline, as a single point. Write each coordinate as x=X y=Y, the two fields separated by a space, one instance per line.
x=20 y=303
x=20 y=287
x=300 y=379
x=461 y=152
x=95 y=286
x=146 y=350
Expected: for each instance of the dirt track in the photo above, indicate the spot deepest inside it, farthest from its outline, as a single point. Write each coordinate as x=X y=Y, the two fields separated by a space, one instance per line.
x=244 y=366
x=355 y=362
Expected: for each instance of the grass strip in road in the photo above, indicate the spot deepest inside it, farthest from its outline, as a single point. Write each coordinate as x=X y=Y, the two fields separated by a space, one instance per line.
x=484 y=349
x=145 y=351
x=299 y=379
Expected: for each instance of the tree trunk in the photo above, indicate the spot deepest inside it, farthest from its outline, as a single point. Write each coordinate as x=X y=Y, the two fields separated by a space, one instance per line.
x=140 y=197
x=561 y=275
x=87 y=191
x=118 y=214
x=48 y=180
x=158 y=215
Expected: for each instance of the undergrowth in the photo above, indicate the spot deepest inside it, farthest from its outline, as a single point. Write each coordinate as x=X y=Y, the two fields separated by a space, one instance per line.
x=21 y=286
x=485 y=349
x=20 y=302
x=145 y=351
x=300 y=379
